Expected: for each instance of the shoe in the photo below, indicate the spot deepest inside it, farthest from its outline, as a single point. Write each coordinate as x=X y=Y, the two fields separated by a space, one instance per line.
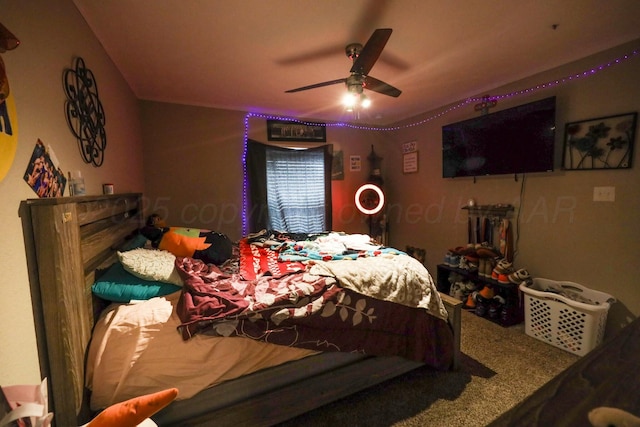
x=451 y=260
x=463 y=264
x=495 y=307
x=487 y=292
x=487 y=252
x=486 y=267
x=458 y=250
x=509 y=315
x=482 y=267
x=482 y=306
x=454 y=289
x=469 y=286
x=518 y=276
x=504 y=279
x=471 y=301
x=472 y=256
x=458 y=291
x=502 y=267
x=454 y=260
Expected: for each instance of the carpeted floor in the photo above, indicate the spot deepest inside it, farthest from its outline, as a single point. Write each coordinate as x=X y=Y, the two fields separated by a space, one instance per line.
x=500 y=367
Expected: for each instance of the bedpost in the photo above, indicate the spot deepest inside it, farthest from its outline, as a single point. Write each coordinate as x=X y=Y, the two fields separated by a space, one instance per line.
x=454 y=309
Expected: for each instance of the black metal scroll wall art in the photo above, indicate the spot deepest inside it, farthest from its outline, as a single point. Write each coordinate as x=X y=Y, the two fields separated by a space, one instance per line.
x=85 y=115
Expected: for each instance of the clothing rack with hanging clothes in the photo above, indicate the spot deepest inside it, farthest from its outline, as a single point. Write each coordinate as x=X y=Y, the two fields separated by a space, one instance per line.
x=491 y=224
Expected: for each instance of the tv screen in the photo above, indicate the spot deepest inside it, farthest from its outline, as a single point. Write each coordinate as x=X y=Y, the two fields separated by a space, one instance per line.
x=511 y=141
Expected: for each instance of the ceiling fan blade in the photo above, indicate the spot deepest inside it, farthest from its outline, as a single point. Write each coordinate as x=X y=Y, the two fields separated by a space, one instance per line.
x=371 y=17
x=371 y=51
x=329 y=83
x=314 y=55
x=379 y=86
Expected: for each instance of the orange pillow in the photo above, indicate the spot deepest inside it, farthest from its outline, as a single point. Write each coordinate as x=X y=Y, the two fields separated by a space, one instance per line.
x=132 y=412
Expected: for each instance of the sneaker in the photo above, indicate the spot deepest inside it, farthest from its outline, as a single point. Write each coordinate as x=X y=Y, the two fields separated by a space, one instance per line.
x=502 y=267
x=454 y=260
x=469 y=286
x=509 y=314
x=458 y=291
x=449 y=259
x=472 y=266
x=487 y=292
x=454 y=289
x=482 y=267
x=518 y=276
x=471 y=301
x=458 y=250
x=495 y=307
x=486 y=267
x=487 y=252
x=504 y=279
x=472 y=257
x=463 y=264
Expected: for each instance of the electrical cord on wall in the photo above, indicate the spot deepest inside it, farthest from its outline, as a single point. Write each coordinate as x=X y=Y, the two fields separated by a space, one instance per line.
x=520 y=206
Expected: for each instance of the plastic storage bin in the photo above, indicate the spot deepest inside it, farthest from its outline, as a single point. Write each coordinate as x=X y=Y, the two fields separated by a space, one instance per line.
x=565 y=314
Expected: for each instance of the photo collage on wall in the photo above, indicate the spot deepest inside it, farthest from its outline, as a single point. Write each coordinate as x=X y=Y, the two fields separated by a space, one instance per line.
x=43 y=174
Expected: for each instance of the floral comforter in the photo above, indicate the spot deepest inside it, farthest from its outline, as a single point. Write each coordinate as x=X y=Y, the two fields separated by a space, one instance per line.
x=318 y=305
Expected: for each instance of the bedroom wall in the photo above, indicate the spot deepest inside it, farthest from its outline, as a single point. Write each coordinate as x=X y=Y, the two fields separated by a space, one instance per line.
x=193 y=166
x=563 y=233
x=52 y=34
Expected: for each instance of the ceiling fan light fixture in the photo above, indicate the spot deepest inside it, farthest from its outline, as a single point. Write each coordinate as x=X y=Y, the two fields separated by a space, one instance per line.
x=350 y=100
x=365 y=102
x=353 y=101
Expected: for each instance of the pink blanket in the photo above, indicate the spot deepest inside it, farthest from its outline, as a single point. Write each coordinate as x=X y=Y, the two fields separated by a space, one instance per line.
x=308 y=311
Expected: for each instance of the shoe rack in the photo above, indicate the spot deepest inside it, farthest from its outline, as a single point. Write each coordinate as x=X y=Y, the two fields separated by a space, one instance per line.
x=508 y=291
x=483 y=222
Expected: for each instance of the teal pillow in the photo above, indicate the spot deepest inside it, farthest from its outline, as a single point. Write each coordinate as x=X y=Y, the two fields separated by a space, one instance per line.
x=137 y=241
x=118 y=285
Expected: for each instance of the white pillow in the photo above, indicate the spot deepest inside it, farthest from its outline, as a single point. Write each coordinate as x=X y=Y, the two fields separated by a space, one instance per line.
x=151 y=264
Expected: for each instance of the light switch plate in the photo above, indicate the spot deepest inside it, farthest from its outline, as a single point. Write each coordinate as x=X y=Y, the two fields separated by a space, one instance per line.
x=604 y=194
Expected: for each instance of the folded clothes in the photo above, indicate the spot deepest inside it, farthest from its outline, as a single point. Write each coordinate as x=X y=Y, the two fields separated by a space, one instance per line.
x=568 y=293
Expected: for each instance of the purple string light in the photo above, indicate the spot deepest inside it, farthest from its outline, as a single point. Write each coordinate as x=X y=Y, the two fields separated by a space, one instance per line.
x=526 y=91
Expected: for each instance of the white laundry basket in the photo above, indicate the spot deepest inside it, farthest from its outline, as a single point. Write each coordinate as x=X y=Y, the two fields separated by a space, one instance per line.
x=565 y=314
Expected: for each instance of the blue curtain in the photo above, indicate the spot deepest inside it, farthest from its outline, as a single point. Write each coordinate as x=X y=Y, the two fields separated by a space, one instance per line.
x=289 y=190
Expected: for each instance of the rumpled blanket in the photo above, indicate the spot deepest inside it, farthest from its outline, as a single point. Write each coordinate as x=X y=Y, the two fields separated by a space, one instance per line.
x=397 y=278
x=308 y=311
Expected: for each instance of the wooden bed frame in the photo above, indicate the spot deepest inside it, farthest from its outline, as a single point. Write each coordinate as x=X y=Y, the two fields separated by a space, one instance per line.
x=67 y=239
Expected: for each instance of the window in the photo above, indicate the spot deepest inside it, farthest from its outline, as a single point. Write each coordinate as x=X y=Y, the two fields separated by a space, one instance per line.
x=289 y=190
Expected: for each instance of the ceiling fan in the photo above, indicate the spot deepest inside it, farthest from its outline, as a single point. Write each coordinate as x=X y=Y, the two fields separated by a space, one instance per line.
x=363 y=59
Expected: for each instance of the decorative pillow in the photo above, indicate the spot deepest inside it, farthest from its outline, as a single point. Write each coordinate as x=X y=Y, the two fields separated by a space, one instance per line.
x=133 y=412
x=137 y=241
x=206 y=245
x=117 y=285
x=151 y=264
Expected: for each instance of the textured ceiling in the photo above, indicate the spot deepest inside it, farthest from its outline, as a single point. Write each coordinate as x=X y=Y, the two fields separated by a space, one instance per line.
x=243 y=55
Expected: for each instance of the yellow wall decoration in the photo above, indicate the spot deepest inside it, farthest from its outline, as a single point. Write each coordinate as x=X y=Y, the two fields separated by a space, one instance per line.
x=8 y=124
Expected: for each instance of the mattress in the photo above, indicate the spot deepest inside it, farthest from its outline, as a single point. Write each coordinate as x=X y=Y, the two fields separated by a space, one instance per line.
x=136 y=349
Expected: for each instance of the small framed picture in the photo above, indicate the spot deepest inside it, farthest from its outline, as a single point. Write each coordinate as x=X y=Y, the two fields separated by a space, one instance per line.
x=601 y=143
x=354 y=163
x=410 y=162
x=285 y=130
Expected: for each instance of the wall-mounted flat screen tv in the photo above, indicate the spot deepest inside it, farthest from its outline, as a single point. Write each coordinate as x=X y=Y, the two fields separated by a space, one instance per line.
x=512 y=141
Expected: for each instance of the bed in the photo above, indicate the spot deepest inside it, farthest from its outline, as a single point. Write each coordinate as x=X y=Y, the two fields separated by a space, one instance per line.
x=68 y=239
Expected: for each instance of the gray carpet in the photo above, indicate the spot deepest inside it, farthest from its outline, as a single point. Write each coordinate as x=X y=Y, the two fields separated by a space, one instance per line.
x=500 y=367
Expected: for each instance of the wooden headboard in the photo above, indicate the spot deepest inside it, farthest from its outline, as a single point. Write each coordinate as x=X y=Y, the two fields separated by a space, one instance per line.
x=66 y=240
